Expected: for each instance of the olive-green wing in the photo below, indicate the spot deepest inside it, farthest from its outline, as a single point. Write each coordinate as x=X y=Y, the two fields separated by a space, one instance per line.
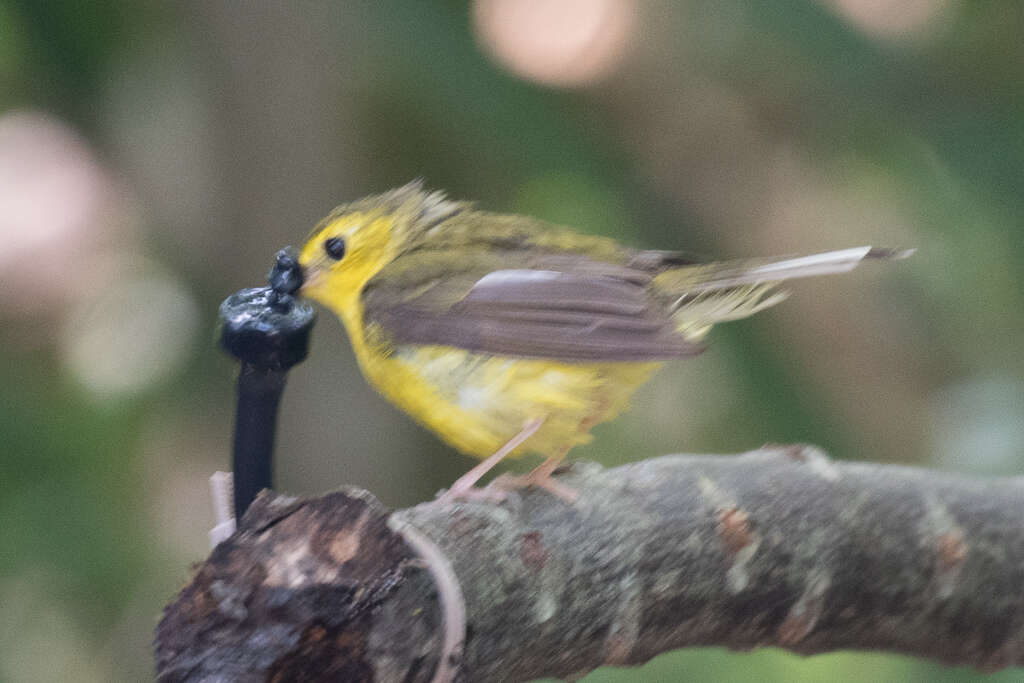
x=563 y=307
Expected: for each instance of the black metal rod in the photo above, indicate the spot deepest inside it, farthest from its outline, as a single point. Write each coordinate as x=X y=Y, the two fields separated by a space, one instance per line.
x=268 y=330
x=259 y=395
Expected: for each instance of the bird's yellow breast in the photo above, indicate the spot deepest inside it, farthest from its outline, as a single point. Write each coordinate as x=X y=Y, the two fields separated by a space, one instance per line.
x=477 y=402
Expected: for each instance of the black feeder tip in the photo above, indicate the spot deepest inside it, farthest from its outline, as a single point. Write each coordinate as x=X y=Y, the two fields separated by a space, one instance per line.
x=286 y=276
x=267 y=327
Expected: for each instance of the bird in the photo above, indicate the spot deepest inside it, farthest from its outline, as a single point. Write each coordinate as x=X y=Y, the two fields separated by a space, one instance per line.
x=507 y=335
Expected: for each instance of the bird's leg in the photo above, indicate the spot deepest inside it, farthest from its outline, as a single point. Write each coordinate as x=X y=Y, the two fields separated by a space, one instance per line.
x=464 y=487
x=540 y=477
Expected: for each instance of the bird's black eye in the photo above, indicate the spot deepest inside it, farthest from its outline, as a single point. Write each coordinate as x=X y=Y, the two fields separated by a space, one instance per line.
x=335 y=248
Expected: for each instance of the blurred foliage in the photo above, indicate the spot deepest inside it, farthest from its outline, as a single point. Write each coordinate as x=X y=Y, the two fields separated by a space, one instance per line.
x=214 y=133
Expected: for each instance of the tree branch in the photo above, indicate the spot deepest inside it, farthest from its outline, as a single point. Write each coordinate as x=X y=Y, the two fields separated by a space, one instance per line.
x=779 y=547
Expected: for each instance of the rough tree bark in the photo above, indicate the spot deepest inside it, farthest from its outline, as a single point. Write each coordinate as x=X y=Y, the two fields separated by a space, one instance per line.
x=779 y=547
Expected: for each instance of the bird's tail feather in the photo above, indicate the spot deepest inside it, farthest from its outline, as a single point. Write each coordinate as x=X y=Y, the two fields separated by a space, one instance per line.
x=716 y=292
x=728 y=274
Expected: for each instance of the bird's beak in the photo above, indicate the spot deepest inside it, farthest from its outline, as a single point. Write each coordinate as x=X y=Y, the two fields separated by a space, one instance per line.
x=286 y=277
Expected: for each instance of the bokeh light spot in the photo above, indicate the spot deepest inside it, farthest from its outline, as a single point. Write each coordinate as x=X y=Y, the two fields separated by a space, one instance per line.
x=556 y=42
x=891 y=18
x=131 y=334
x=56 y=205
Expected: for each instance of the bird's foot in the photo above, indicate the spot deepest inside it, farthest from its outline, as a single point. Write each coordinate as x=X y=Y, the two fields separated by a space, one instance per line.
x=539 y=477
x=471 y=494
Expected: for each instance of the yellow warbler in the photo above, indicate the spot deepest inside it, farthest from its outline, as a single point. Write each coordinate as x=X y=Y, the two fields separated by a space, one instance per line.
x=505 y=334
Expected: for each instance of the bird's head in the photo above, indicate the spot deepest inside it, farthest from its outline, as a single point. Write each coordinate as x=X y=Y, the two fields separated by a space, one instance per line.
x=356 y=240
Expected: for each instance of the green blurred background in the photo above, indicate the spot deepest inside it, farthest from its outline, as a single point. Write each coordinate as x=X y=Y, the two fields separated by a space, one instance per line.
x=154 y=156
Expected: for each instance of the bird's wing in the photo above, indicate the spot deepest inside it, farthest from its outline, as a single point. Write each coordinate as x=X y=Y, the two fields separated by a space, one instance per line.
x=563 y=308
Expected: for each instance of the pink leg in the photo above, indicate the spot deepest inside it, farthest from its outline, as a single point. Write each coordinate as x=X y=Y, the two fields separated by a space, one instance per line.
x=464 y=487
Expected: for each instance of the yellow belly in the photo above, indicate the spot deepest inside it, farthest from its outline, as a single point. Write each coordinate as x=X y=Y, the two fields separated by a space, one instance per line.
x=478 y=402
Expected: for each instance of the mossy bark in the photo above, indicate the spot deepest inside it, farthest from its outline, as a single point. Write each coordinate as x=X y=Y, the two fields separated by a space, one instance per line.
x=778 y=547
